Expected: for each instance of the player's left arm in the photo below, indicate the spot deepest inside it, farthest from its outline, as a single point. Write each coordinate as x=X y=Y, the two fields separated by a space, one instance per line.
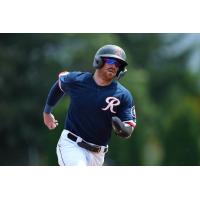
x=122 y=129
x=124 y=122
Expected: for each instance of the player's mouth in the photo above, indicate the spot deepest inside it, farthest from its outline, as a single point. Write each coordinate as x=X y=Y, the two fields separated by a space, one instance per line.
x=111 y=70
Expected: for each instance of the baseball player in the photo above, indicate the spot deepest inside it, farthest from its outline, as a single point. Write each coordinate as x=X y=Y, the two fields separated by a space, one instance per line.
x=98 y=104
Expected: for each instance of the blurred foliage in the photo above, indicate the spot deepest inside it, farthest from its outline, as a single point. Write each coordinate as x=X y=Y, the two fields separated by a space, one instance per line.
x=163 y=76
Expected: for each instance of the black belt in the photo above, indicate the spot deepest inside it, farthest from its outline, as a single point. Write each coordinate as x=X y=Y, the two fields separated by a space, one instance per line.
x=85 y=145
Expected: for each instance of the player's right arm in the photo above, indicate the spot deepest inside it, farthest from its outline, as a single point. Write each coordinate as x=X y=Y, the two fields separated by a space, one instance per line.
x=61 y=87
x=55 y=94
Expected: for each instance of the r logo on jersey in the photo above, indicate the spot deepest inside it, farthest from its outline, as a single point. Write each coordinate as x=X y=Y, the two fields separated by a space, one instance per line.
x=111 y=101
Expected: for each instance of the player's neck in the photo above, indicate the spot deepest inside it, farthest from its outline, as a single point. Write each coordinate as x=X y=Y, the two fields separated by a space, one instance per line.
x=101 y=81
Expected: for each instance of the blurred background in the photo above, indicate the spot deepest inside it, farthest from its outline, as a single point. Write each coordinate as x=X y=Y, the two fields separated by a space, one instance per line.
x=163 y=76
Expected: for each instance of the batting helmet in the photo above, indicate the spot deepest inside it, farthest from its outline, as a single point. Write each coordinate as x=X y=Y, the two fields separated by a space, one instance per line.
x=111 y=51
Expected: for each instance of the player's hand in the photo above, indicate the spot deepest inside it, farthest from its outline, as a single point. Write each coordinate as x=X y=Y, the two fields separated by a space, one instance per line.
x=50 y=121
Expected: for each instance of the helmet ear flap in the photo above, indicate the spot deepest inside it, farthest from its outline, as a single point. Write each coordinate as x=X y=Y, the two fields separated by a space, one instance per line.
x=98 y=62
x=121 y=73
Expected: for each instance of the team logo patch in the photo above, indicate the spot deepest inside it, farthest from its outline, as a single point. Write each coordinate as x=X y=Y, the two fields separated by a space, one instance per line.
x=133 y=113
x=111 y=101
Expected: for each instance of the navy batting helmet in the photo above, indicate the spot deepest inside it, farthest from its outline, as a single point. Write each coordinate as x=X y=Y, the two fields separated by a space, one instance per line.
x=111 y=51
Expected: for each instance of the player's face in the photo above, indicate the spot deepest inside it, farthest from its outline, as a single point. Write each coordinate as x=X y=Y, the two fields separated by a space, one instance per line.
x=110 y=68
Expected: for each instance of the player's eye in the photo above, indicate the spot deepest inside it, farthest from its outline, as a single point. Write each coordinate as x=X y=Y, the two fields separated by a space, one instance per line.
x=112 y=61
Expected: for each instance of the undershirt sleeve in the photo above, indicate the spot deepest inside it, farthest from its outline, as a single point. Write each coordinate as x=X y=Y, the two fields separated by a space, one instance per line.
x=55 y=94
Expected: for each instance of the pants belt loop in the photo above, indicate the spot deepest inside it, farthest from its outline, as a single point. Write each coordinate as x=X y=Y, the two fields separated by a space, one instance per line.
x=105 y=149
x=79 y=139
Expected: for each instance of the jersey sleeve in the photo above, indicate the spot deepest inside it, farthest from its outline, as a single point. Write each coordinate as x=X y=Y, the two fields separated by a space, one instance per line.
x=127 y=111
x=66 y=80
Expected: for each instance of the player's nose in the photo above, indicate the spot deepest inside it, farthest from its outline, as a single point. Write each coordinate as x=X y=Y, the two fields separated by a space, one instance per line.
x=113 y=67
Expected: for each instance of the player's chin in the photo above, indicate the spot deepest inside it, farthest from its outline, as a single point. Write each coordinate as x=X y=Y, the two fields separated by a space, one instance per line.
x=111 y=75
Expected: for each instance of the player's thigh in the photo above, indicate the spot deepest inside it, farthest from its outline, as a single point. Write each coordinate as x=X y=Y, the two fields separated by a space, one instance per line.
x=70 y=154
x=95 y=159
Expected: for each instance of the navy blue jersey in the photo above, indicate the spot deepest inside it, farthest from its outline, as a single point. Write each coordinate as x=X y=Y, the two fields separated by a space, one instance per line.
x=92 y=106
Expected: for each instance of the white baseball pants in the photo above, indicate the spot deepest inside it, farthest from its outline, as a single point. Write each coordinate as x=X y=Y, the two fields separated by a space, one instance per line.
x=70 y=154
